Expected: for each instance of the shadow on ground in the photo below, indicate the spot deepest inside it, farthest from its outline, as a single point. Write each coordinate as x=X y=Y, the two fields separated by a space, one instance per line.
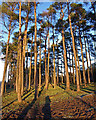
x=46 y=109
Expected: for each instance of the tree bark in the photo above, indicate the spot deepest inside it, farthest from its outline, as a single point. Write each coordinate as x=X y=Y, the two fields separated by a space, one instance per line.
x=48 y=51
x=65 y=55
x=24 y=45
x=87 y=62
x=5 y=65
x=46 y=79
x=73 y=69
x=79 y=68
x=54 y=61
x=65 y=59
x=82 y=59
x=35 y=55
x=30 y=64
x=19 y=56
x=27 y=70
x=73 y=41
x=40 y=64
x=90 y=60
x=57 y=63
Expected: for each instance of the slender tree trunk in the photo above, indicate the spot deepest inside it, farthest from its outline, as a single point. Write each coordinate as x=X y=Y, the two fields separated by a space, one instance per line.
x=5 y=86
x=30 y=69
x=62 y=67
x=65 y=59
x=73 y=69
x=54 y=61
x=22 y=81
x=5 y=66
x=19 y=54
x=79 y=68
x=40 y=64
x=27 y=70
x=61 y=71
x=65 y=56
x=70 y=66
x=24 y=45
x=35 y=55
x=90 y=60
x=73 y=41
x=17 y=76
x=46 y=79
x=48 y=51
x=87 y=62
x=82 y=59
x=57 y=62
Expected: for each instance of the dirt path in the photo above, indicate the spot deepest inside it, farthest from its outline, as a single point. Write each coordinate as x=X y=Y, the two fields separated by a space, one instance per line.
x=83 y=108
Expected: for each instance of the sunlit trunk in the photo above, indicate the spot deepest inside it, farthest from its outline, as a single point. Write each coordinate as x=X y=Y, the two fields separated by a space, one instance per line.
x=90 y=60
x=40 y=64
x=27 y=69
x=35 y=55
x=87 y=62
x=48 y=50
x=24 y=45
x=84 y=77
x=57 y=62
x=46 y=79
x=5 y=65
x=79 y=68
x=65 y=60
x=73 y=41
x=30 y=69
x=19 y=57
x=65 y=55
x=54 y=72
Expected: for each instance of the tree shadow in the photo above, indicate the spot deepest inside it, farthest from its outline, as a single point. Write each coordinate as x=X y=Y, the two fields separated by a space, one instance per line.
x=9 y=104
x=16 y=99
x=63 y=87
x=27 y=95
x=87 y=90
x=88 y=104
x=46 y=109
x=24 y=112
x=41 y=90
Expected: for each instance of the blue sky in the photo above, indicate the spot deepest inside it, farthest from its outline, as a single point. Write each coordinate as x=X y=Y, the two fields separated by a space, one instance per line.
x=43 y=6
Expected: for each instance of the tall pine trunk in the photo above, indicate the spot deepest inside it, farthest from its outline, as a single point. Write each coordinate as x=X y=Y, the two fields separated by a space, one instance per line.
x=5 y=66
x=46 y=80
x=73 y=41
x=65 y=59
x=87 y=61
x=79 y=68
x=48 y=76
x=40 y=64
x=65 y=55
x=57 y=62
x=27 y=70
x=30 y=69
x=90 y=60
x=54 y=73
x=24 y=45
x=73 y=69
x=35 y=55
x=19 y=57
x=82 y=58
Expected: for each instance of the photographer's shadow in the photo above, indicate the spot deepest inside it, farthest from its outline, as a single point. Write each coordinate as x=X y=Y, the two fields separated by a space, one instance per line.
x=46 y=109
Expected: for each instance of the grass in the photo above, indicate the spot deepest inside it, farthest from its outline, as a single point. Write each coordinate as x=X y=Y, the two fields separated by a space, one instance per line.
x=10 y=103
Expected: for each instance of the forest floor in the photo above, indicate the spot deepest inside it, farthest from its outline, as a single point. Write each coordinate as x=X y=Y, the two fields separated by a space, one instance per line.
x=51 y=104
